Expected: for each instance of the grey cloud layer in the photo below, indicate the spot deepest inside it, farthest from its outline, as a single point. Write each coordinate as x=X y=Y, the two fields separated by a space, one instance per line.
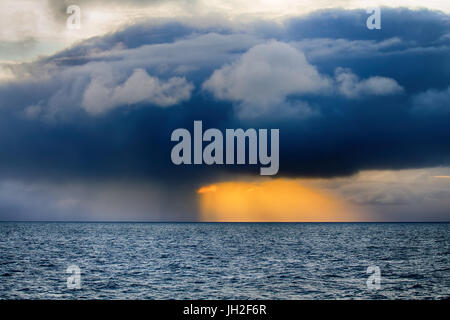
x=261 y=78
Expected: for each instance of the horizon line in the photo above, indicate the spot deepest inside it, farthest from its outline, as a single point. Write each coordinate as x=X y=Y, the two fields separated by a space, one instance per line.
x=206 y=222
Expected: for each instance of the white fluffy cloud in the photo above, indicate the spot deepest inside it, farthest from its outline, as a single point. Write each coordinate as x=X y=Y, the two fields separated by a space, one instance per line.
x=265 y=75
x=263 y=78
x=349 y=85
x=101 y=96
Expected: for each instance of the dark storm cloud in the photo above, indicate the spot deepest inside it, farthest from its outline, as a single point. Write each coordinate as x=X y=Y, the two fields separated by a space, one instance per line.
x=47 y=130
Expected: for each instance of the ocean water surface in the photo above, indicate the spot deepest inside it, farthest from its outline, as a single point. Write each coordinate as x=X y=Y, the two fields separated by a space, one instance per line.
x=224 y=260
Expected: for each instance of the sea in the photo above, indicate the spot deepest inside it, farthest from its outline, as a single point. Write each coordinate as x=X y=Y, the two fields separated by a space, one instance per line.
x=96 y=260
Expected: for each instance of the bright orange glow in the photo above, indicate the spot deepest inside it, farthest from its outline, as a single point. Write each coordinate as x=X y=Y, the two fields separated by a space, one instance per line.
x=206 y=189
x=280 y=200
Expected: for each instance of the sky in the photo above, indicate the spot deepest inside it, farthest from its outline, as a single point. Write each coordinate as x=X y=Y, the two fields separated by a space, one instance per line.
x=86 y=114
